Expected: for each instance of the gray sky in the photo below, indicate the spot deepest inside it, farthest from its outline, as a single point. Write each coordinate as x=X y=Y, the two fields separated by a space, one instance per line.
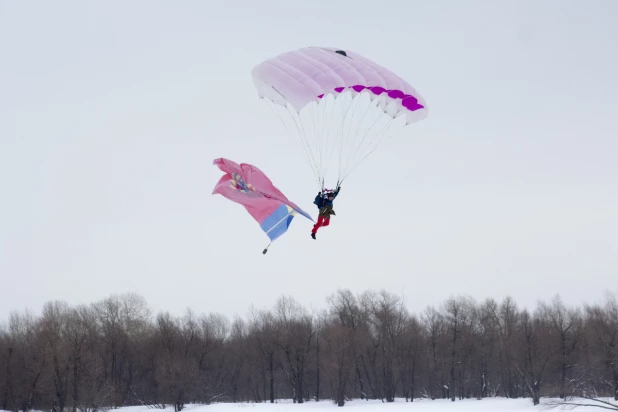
x=112 y=112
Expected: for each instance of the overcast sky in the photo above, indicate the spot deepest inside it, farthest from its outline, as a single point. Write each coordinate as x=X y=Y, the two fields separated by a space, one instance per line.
x=112 y=112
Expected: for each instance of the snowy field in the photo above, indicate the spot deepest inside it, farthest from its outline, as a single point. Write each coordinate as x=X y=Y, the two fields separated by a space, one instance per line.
x=400 y=405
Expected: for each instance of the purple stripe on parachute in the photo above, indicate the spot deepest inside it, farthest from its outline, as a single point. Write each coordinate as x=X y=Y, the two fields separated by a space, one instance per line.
x=407 y=100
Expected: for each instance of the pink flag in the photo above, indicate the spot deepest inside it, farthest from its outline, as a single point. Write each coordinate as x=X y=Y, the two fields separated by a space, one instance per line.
x=249 y=186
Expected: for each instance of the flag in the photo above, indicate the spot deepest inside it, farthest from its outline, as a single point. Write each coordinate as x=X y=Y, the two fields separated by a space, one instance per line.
x=249 y=186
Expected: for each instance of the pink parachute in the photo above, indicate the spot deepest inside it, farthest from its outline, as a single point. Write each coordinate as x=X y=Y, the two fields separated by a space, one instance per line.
x=339 y=104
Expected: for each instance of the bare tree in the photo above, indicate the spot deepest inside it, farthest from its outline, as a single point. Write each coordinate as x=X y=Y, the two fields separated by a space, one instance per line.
x=535 y=353
x=295 y=341
x=571 y=403
x=339 y=361
x=7 y=343
x=487 y=340
x=264 y=332
x=604 y=321
x=506 y=320
x=457 y=313
x=342 y=344
x=54 y=324
x=566 y=330
x=345 y=306
x=434 y=327
x=387 y=319
x=212 y=357
x=237 y=352
x=29 y=356
x=410 y=356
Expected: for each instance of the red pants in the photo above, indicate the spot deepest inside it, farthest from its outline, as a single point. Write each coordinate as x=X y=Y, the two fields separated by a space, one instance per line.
x=322 y=221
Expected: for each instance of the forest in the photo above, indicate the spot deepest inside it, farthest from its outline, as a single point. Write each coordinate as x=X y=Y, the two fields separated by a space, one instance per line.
x=117 y=352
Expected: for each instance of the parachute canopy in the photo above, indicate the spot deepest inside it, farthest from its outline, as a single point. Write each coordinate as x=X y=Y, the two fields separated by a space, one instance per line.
x=340 y=104
x=249 y=186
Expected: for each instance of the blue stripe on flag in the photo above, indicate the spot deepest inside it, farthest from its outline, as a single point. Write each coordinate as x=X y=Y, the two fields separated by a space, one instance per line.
x=278 y=222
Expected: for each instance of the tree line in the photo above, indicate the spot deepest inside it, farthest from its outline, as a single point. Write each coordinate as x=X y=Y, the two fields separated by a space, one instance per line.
x=116 y=352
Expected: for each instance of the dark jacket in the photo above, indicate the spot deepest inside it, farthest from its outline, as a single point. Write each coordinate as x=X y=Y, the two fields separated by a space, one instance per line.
x=324 y=204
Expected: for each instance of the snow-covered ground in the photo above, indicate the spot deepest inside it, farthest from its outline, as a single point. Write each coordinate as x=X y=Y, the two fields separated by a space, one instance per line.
x=400 y=405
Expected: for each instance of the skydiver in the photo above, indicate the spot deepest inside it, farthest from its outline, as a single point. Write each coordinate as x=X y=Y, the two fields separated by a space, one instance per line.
x=324 y=202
